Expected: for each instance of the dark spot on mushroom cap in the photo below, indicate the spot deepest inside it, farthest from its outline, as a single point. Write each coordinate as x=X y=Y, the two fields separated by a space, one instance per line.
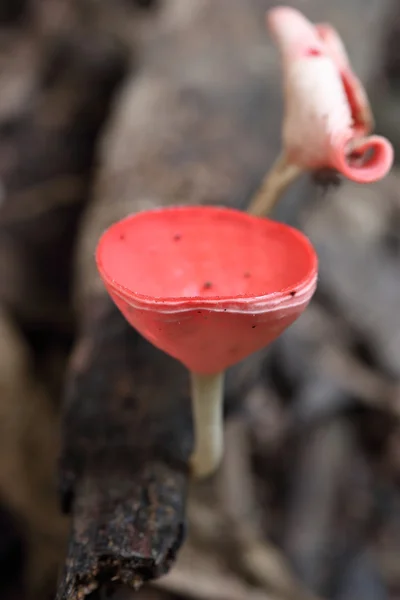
x=246 y=275
x=207 y=285
x=177 y=237
x=199 y=312
x=253 y=326
x=293 y=293
x=122 y=237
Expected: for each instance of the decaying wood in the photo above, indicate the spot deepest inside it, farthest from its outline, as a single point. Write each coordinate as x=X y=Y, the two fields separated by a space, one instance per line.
x=127 y=438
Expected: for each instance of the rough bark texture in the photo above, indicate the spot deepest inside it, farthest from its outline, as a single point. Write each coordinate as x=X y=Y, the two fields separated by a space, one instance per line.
x=127 y=436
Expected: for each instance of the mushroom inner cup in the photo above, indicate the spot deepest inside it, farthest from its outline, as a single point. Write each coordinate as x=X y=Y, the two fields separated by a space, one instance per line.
x=194 y=253
x=207 y=286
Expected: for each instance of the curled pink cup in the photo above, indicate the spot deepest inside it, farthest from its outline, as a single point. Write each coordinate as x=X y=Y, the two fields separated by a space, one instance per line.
x=327 y=118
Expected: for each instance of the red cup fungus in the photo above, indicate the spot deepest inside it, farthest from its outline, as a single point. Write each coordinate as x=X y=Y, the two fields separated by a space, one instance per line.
x=208 y=286
x=327 y=120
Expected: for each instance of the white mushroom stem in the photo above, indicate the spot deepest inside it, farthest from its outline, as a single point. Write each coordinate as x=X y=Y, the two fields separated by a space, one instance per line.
x=207 y=403
x=277 y=180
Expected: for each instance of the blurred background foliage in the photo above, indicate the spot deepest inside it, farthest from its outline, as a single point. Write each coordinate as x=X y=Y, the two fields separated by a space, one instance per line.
x=111 y=106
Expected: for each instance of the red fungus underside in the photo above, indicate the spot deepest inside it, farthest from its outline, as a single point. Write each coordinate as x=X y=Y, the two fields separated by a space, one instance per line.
x=190 y=280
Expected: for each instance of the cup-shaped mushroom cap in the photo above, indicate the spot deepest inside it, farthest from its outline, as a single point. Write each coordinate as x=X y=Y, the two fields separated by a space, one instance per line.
x=207 y=285
x=327 y=118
